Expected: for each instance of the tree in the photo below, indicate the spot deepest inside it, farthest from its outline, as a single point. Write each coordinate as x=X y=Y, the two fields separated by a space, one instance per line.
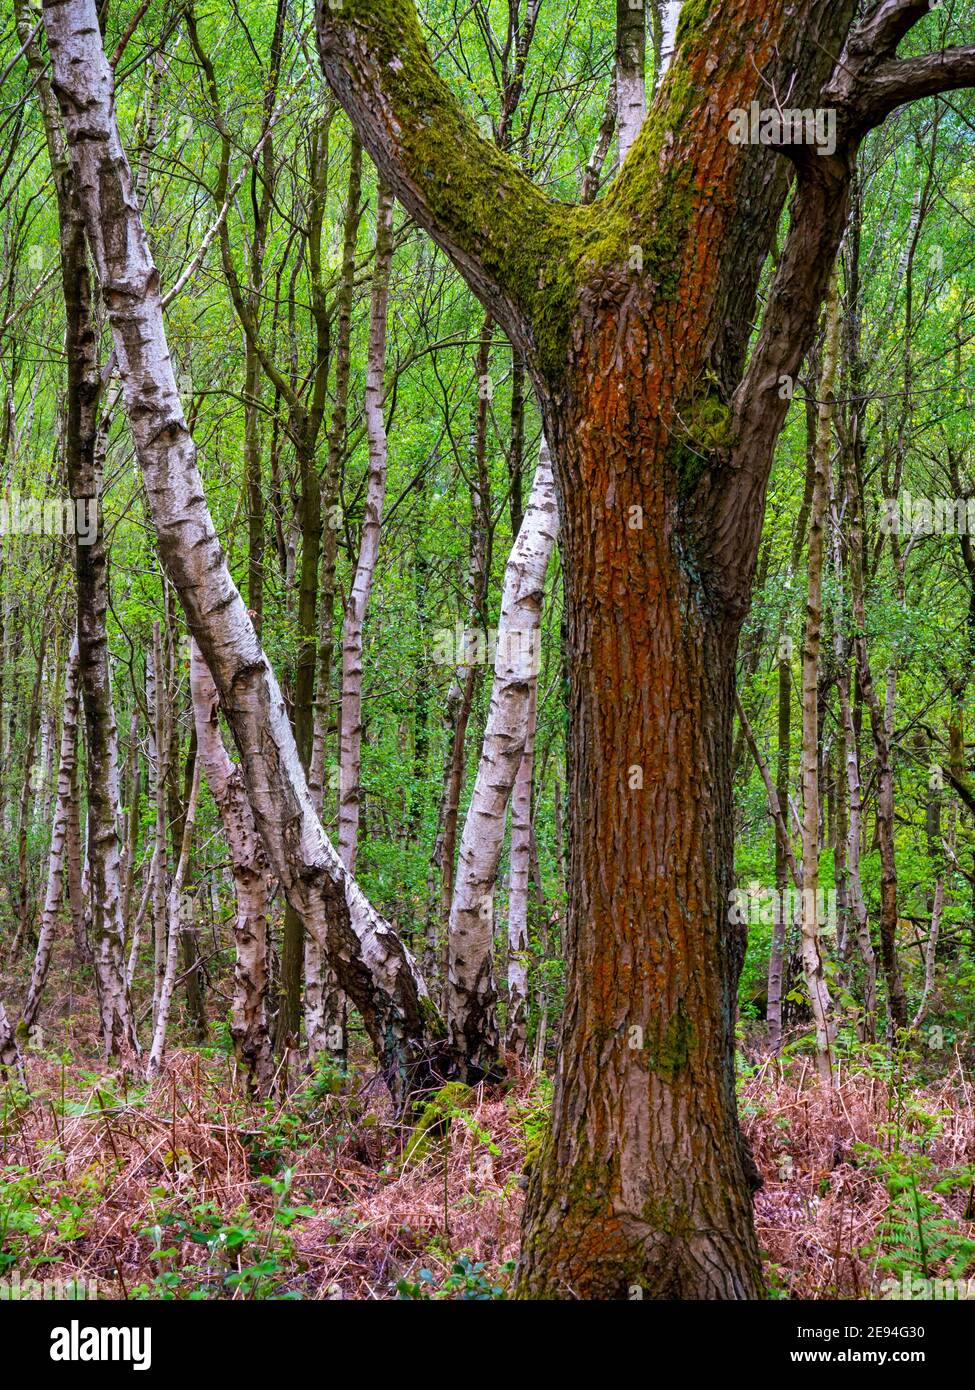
x=633 y=318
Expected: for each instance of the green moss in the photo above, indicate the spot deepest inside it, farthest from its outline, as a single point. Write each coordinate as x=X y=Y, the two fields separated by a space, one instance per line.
x=433 y=1023
x=676 y=1046
x=435 y=1120
x=693 y=14
x=703 y=426
x=542 y=254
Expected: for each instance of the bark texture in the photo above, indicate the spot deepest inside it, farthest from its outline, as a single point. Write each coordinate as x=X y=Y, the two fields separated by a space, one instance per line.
x=471 y=991
x=248 y=1028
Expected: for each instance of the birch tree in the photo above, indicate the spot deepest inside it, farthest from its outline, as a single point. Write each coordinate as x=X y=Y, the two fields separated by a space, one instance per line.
x=373 y=966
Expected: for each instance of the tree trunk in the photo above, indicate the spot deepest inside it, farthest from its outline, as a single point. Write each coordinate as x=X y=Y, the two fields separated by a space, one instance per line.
x=248 y=1029
x=54 y=895
x=812 y=955
x=516 y=1027
x=470 y=983
x=91 y=561
x=777 y=954
x=161 y=742
x=631 y=91
x=10 y=1057
x=176 y=908
x=355 y=610
x=325 y=1004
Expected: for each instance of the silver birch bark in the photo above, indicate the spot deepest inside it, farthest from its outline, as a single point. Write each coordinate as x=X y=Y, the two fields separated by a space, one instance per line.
x=350 y=755
x=159 y=867
x=516 y=1031
x=54 y=894
x=9 y=1049
x=175 y=910
x=631 y=88
x=812 y=957
x=373 y=965
x=248 y=1028
x=470 y=987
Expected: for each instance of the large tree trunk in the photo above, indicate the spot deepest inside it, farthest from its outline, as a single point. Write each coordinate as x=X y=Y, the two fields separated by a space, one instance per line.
x=374 y=968
x=642 y=1181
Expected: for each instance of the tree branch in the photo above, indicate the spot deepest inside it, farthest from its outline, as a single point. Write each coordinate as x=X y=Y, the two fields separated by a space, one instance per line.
x=911 y=79
x=489 y=218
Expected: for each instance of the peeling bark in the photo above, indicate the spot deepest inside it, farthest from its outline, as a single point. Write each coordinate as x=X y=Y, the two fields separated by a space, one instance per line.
x=470 y=984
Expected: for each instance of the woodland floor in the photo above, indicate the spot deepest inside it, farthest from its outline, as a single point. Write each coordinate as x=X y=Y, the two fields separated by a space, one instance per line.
x=184 y=1188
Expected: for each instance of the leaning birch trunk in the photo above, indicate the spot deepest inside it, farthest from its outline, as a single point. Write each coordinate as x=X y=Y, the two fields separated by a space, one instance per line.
x=248 y=1028
x=470 y=987
x=812 y=958
x=10 y=1057
x=373 y=965
x=175 y=914
x=54 y=894
x=91 y=566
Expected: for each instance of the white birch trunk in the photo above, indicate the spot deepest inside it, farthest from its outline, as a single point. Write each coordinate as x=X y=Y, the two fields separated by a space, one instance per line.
x=350 y=755
x=470 y=987
x=516 y=1039
x=54 y=894
x=176 y=908
x=631 y=87
x=9 y=1049
x=812 y=957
